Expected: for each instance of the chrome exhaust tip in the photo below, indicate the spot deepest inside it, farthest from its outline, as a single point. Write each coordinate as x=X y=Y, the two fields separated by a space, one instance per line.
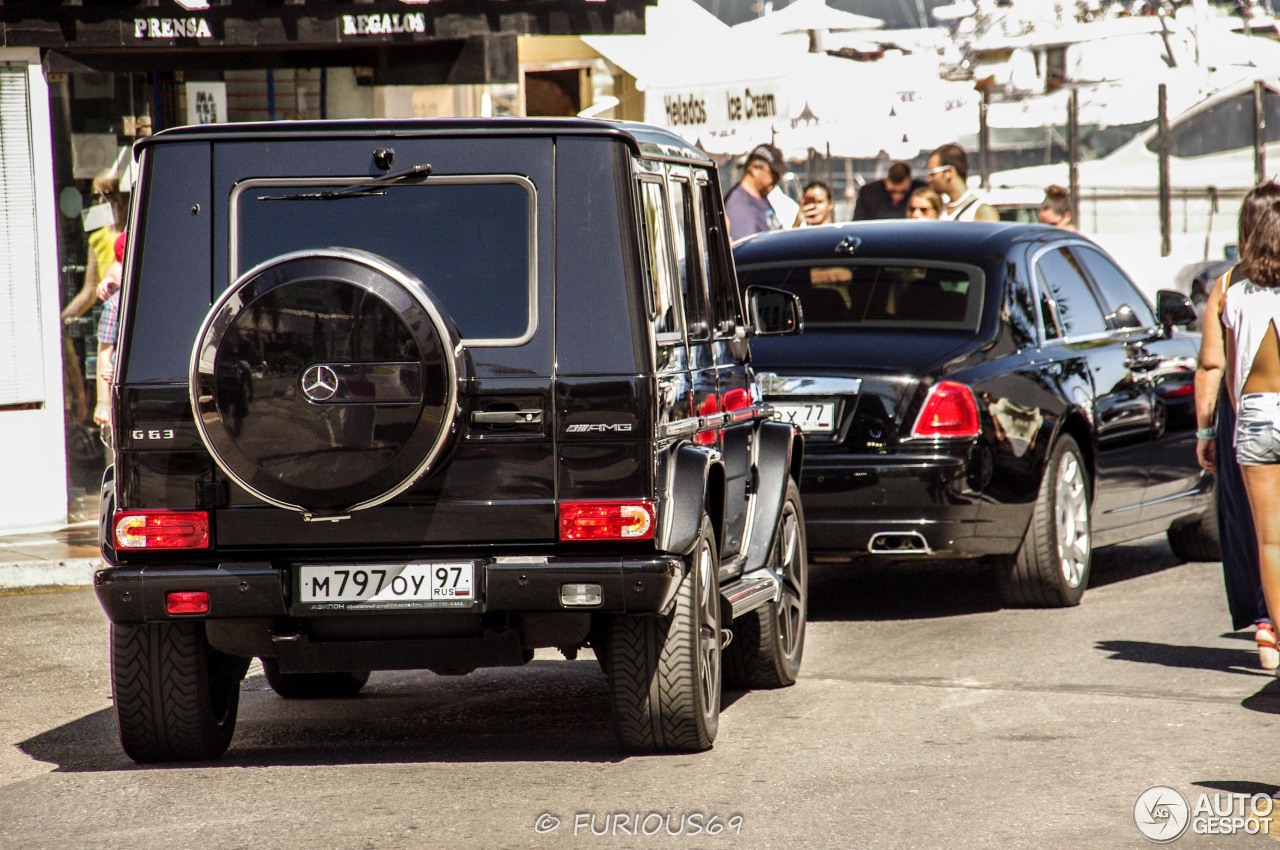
x=898 y=543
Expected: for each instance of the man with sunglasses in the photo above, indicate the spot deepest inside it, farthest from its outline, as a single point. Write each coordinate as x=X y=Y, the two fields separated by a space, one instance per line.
x=747 y=205
x=887 y=197
x=948 y=174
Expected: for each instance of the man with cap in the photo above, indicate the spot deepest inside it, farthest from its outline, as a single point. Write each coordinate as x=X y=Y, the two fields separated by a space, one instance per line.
x=747 y=205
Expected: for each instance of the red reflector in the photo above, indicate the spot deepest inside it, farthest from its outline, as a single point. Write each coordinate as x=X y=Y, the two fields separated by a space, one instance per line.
x=607 y=520
x=1184 y=391
x=949 y=411
x=161 y=530
x=186 y=602
x=737 y=399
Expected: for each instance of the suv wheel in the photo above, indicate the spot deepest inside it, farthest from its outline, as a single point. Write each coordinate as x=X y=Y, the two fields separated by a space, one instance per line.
x=326 y=381
x=313 y=685
x=768 y=642
x=664 y=670
x=1051 y=568
x=176 y=699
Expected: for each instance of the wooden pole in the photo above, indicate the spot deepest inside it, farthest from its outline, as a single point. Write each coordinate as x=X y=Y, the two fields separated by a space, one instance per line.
x=1259 y=134
x=1073 y=154
x=1166 y=207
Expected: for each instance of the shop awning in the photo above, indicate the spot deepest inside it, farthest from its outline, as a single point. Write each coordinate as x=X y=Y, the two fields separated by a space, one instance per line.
x=403 y=41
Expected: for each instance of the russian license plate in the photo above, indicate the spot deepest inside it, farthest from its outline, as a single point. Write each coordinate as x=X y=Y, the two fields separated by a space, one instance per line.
x=383 y=587
x=815 y=417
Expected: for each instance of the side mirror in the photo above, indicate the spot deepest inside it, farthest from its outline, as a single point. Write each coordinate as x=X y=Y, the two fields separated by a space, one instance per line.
x=1174 y=309
x=774 y=312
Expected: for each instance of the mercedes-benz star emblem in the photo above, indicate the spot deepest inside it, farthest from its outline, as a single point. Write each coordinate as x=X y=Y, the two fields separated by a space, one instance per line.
x=319 y=383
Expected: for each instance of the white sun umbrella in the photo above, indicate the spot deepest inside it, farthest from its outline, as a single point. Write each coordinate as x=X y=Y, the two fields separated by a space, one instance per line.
x=895 y=106
x=804 y=15
x=718 y=90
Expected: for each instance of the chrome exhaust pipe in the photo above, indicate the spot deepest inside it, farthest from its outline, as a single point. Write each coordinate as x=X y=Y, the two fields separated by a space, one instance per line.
x=898 y=543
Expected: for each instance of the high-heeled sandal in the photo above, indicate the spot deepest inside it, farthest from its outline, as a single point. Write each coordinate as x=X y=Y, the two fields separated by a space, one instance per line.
x=1268 y=650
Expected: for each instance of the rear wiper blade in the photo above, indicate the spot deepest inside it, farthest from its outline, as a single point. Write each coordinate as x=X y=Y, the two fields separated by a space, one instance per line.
x=373 y=186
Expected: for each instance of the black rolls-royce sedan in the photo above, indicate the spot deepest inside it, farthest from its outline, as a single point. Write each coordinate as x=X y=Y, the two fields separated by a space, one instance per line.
x=983 y=390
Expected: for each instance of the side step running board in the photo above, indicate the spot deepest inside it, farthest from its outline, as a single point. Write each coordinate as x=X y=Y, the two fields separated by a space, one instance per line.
x=751 y=591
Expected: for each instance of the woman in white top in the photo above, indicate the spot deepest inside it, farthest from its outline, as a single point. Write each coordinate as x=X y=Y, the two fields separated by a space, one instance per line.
x=1240 y=340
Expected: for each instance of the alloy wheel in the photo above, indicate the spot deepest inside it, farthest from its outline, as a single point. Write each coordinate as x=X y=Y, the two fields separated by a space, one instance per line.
x=790 y=566
x=1071 y=518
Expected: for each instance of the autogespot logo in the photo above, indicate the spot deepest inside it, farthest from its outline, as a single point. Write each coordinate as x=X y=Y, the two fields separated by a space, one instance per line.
x=319 y=383
x=1161 y=813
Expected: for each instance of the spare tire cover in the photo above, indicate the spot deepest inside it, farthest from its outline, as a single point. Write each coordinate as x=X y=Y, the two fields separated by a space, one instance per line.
x=326 y=381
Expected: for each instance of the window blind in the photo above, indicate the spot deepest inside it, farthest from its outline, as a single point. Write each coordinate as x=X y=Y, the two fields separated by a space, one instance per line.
x=21 y=349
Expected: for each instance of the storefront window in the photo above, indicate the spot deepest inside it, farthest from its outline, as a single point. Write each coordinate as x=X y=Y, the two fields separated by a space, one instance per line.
x=97 y=116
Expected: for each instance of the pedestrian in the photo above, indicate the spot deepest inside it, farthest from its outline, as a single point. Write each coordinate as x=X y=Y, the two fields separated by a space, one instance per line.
x=924 y=205
x=887 y=197
x=747 y=205
x=1055 y=209
x=101 y=242
x=108 y=330
x=816 y=205
x=949 y=175
x=1239 y=342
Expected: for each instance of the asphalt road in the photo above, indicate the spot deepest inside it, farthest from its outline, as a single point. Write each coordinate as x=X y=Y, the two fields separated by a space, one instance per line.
x=925 y=717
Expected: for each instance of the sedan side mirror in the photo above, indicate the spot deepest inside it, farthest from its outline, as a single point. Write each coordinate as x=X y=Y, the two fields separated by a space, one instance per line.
x=774 y=312
x=1175 y=309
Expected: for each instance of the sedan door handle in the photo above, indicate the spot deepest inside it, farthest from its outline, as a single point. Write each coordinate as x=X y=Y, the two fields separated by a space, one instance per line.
x=1143 y=362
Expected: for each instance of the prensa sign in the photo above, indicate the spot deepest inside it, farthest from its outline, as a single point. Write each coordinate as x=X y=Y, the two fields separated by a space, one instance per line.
x=171 y=28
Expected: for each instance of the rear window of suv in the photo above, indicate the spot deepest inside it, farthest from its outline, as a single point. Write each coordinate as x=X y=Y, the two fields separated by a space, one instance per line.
x=877 y=295
x=470 y=240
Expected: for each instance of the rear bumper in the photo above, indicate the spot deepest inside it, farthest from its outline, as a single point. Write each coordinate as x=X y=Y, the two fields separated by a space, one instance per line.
x=136 y=594
x=849 y=499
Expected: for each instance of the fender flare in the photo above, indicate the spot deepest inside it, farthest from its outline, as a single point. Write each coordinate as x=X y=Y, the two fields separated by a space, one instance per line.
x=775 y=446
x=683 y=498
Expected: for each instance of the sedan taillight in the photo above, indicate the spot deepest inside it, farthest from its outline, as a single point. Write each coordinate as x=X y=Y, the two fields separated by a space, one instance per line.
x=950 y=410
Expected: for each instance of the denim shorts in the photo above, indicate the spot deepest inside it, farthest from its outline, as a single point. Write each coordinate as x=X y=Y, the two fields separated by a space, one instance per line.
x=1258 y=429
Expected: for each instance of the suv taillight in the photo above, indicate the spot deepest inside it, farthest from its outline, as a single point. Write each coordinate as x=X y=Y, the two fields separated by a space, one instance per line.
x=632 y=520
x=161 y=529
x=949 y=411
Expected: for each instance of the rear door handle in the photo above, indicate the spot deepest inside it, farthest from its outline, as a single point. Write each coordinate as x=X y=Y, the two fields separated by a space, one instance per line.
x=1143 y=362
x=526 y=416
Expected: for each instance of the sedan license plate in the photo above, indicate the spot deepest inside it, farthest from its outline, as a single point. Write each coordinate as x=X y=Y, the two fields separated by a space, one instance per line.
x=817 y=417
x=386 y=587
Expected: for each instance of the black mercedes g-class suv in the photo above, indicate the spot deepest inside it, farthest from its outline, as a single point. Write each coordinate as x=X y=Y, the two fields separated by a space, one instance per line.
x=431 y=395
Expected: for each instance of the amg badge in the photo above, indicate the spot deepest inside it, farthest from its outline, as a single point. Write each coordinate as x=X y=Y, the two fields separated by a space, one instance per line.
x=620 y=427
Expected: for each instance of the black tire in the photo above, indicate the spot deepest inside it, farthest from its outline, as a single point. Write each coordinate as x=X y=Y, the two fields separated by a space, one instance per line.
x=313 y=685
x=1051 y=567
x=768 y=643
x=176 y=699
x=665 y=670
x=1198 y=539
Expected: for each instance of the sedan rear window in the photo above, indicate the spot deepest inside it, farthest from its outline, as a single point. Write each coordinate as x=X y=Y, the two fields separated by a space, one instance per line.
x=881 y=295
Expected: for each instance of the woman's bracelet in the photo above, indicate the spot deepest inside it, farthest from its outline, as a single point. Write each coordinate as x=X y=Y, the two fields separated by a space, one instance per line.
x=1206 y=433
